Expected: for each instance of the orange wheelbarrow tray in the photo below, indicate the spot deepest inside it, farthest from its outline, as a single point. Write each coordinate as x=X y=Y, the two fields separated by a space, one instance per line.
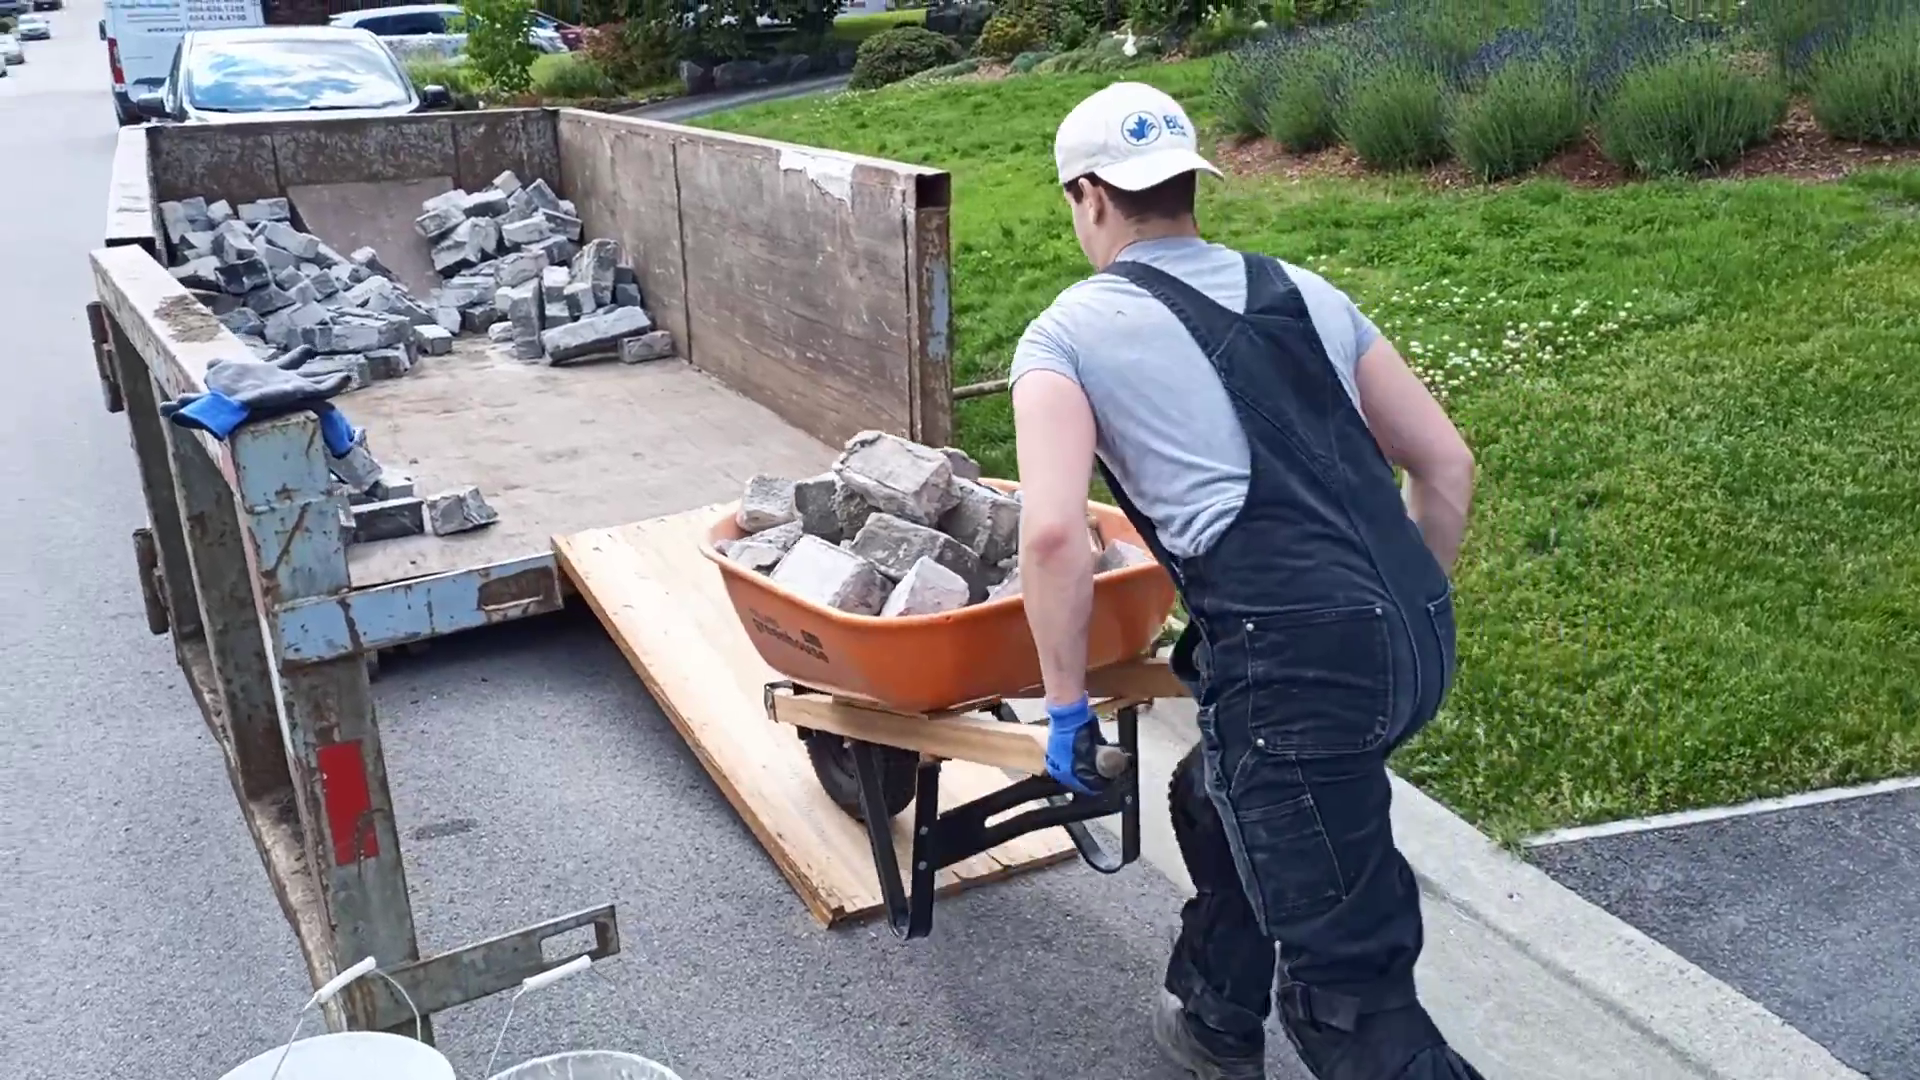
x=926 y=663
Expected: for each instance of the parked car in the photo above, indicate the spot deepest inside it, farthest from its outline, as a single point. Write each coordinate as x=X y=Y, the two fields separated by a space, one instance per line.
x=49 y=5
x=435 y=21
x=12 y=8
x=33 y=28
x=224 y=75
x=143 y=40
x=11 y=50
x=570 y=35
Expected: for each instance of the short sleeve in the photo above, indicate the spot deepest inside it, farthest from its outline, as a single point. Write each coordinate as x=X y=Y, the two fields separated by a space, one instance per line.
x=1364 y=332
x=1044 y=346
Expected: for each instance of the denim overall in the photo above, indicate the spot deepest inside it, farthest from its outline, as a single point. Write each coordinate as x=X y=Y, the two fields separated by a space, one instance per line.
x=1321 y=636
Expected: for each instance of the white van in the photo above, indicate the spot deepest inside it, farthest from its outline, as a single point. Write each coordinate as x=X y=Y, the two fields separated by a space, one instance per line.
x=141 y=36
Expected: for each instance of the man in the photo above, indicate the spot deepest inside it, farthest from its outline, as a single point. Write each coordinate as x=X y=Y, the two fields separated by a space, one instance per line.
x=1247 y=418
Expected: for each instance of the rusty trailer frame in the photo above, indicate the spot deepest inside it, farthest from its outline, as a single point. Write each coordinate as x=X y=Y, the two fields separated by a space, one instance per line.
x=244 y=564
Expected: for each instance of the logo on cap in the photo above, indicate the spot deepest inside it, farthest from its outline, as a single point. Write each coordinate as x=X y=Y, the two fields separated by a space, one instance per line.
x=1140 y=129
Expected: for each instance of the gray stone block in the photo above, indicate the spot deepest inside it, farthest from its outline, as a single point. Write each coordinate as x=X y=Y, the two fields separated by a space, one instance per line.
x=323 y=282
x=560 y=250
x=624 y=275
x=366 y=292
x=241 y=278
x=595 y=266
x=543 y=196
x=626 y=294
x=264 y=210
x=652 y=345
x=190 y=215
x=220 y=212
x=894 y=544
x=244 y=321
x=964 y=467
x=530 y=230
x=434 y=339
x=1118 y=555
x=984 y=520
x=518 y=267
x=766 y=502
x=458 y=511
x=851 y=508
x=520 y=207
x=598 y=333
x=565 y=226
x=231 y=244
x=391 y=485
x=202 y=273
x=578 y=297
x=387 y=519
x=455 y=197
x=353 y=364
x=832 y=577
x=758 y=557
x=480 y=320
x=500 y=333
x=448 y=319
x=506 y=183
x=195 y=245
x=813 y=507
x=287 y=276
x=553 y=284
x=780 y=536
x=927 y=589
x=1009 y=586
x=485 y=204
x=268 y=299
x=304 y=293
x=552 y=315
x=435 y=224
x=899 y=477
x=470 y=243
x=290 y=240
x=389 y=363
x=352 y=335
x=528 y=349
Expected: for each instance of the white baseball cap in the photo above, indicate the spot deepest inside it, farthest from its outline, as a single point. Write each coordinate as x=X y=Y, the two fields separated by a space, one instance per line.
x=1130 y=135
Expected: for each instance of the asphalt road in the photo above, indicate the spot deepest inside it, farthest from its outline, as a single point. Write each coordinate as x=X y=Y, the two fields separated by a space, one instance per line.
x=138 y=936
x=677 y=109
x=1811 y=912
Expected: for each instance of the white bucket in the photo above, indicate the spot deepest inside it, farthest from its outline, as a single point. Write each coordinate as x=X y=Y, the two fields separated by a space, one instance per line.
x=586 y=1065
x=360 y=1055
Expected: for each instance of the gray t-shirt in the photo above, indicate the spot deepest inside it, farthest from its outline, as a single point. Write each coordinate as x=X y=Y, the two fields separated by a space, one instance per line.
x=1166 y=426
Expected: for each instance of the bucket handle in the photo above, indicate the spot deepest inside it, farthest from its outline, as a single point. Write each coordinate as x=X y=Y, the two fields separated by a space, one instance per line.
x=331 y=989
x=535 y=982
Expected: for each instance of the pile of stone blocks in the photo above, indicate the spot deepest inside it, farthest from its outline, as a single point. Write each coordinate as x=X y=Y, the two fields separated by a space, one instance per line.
x=290 y=297
x=894 y=528
x=515 y=266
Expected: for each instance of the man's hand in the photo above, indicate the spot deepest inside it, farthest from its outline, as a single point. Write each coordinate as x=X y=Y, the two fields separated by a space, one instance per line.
x=1054 y=435
x=1415 y=434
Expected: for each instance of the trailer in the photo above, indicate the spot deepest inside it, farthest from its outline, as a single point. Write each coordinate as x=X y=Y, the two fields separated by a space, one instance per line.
x=806 y=292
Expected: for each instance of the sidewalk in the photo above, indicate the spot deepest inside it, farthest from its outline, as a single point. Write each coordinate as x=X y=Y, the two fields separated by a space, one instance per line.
x=1527 y=979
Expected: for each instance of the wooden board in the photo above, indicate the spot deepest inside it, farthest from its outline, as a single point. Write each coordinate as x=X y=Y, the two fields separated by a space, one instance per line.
x=665 y=606
x=379 y=215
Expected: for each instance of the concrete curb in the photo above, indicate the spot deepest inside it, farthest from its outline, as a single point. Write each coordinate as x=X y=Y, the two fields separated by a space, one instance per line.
x=1700 y=1019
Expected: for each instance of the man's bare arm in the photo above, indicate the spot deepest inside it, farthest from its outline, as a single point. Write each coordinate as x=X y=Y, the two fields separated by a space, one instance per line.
x=1416 y=435
x=1054 y=433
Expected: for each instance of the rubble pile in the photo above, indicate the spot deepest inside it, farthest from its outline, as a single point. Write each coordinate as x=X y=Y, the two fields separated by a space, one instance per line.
x=894 y=528
x=514 y=265
x=281 y=290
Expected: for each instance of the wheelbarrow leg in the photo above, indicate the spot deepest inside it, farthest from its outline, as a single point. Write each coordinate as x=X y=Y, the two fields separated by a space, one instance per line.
x=909 y=910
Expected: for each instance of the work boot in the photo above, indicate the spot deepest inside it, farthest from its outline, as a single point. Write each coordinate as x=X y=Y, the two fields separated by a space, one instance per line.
x=1176 y=1040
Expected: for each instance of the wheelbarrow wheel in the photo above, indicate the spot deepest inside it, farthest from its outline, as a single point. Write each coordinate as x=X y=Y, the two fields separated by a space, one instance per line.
x=833 y=763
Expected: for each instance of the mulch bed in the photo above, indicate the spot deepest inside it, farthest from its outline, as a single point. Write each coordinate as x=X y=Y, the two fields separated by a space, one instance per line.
x=1799 y=150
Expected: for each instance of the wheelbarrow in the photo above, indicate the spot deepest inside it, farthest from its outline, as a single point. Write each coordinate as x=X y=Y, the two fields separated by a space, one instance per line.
x=881 y=702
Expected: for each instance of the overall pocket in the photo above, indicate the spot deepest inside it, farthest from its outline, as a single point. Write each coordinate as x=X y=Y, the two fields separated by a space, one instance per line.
x=1440 y=613
x=1320 y=681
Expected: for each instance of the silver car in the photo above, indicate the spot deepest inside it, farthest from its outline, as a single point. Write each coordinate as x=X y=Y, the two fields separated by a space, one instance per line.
x=33 y=28
x=11 y=50
x=279 y=71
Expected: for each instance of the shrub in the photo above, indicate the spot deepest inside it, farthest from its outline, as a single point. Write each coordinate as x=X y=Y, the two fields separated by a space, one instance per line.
x=1523 y=115
x=497 y=44
x=1007 y=36
x=1302 y=107
x=1868 y=88
x=1326 y=11
x=1027 y=61
x=1395 y=117
x=946 y=71
x=1687 y=112
x=1220 y=28
x=455 y=75
x=638 y=52
x=570 y=75
x=894 y=54
x=1108 y=54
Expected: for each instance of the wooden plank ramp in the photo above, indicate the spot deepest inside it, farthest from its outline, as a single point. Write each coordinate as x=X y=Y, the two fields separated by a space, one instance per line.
x=665 y=606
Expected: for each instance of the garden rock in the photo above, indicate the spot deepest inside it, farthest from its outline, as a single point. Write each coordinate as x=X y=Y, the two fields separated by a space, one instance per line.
x=894 y=544
x=984 y=520
x=735 y=74
x=832 y=577
x=899 y=477
x=927 y=589
x=766 y=502
x=759 y=557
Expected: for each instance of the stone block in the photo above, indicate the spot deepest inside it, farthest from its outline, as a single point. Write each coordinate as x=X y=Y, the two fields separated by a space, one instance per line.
x=578 y=298
x=780 y=536
x=241 y=278
x=480 y=320
x=231 y=244
x=468 y=244
x=832 y=577
x=353 y=364
x=927 y=589
x=626 y=294
x=1118 y=555
x=391 y=485
x=506 y=183
x=435 y=224
x=696 y=77
x=552 y=315
x=553 y=284
x=302 y=325
x=984 y=520
x=851 y=509
x=387 y=519
x=220 y=212
x=899 y=477
x=190 y=215
x=434 y=340
x=520 y=207
x=287 y=276
x=530 y=230
x=195 y=245
x=304 y=293
x=600 y=332
x=454 y=198
x=389 y=363
x=595 y=266
x=652 y=345
x=1009 y=586
x=624 y=275
x=202 y=273
x=290 y=240
x=564 y=225
x=264 y=210
x=485 y=204
x=323 y=282
x=370 y=259
x=352 y=335
x=268 y=299
x=458 y=511
x=367 y=292
x=560 y=250
x=766 y=502
x=500 y=333
x=528 y=349
x=754 y=555
x=894 y=544
x=737 y=74
x=542 y=195
x=448 y=319
x=964 y=467
x=813 y=507
x=518 y=267
x=245 y=321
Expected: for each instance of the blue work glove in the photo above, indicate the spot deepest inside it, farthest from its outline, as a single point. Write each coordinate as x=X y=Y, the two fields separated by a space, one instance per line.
x=1073 y=736
x=240 y=391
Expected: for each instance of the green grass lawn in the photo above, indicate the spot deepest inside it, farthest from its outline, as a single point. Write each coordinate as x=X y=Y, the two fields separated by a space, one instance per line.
x=1693 y=571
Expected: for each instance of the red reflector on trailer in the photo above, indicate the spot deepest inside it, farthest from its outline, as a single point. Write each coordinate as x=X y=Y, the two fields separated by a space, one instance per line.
x=348 y=806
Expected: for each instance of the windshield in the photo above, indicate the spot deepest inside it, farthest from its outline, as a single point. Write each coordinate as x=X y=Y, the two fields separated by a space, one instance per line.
x=280 y=76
